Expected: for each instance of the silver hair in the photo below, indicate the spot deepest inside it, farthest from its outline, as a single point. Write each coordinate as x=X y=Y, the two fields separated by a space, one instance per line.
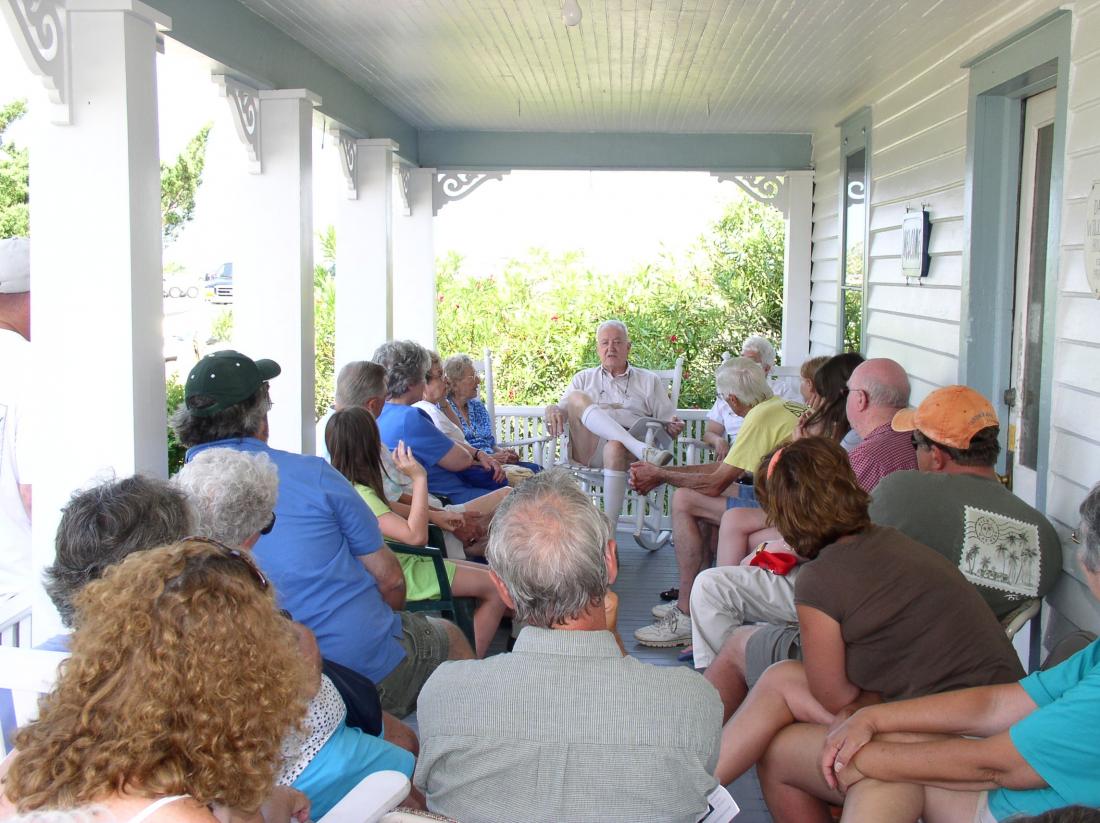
x=232 y=493
x=102 y=525
x=406 y=364
x=744 y=379
x=547 y=544
x=245 y=419
x=618 y=324
x=763 y=347
x=358 y=383
x=1090 y=530
x=455 y=365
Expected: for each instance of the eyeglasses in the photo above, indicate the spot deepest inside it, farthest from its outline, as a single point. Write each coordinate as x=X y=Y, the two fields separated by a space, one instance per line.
x=847 y=390
x=918 y=441
x=270 y=525
x=1075 y=536
x=233 y=554
x=433 y=375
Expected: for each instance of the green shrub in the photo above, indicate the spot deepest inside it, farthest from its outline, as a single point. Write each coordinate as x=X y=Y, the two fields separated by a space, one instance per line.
x=174 y=397
x=539 y=317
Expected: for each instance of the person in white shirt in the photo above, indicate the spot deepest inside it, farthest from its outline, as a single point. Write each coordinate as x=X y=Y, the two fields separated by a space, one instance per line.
x=15 y=465
x=607 y=408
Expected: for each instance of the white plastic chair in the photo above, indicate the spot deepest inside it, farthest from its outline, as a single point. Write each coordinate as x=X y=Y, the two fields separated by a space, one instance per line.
x=374 y=796
x=25 y=675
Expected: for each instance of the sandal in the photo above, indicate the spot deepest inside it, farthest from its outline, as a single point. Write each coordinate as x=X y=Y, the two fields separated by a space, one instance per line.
x=670 y=594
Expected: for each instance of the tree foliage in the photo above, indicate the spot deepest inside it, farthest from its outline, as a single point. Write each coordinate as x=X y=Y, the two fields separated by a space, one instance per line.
x=14 y=177
x=539 y=317
x=324 y=323
x=179 y=182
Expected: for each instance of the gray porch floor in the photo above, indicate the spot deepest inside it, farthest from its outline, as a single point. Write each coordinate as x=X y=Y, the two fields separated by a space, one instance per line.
x=642 y=575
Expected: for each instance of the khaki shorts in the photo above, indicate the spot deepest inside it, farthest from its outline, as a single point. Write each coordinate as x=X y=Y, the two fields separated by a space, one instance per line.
x=426 y=645
x=770 y=644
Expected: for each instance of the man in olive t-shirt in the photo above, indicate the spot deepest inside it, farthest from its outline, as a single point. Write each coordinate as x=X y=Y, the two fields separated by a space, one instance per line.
x=956 y=505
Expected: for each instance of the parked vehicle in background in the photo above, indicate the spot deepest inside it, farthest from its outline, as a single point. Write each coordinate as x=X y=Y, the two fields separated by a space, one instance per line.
x=219 y=284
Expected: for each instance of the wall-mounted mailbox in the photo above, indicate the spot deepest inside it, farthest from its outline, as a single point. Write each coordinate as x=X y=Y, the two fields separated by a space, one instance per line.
x=915 y=229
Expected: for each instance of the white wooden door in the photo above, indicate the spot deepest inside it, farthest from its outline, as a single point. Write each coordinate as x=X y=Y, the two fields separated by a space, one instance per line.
x=1027 y=321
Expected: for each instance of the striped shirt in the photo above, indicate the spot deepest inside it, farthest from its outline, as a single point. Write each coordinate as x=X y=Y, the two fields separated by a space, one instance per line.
x=565 y=728
x=882 y=452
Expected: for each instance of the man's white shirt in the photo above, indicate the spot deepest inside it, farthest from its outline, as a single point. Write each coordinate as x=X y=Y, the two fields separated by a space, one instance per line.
x=633 y=394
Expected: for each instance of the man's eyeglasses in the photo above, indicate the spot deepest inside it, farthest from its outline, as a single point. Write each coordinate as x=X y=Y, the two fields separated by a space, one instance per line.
x=270 y=525
x=236 y=555
x=1075 y=536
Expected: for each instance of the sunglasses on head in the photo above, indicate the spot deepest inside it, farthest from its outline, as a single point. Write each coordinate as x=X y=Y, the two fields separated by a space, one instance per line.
x=234 y=554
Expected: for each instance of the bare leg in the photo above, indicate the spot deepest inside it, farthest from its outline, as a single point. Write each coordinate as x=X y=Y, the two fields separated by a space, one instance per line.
x=737 y=535
x=472 y=580
x=727 y=672
x=782 y=697
x=487 y=503
x=689 y=507
x=791 y=779
x=399 y=733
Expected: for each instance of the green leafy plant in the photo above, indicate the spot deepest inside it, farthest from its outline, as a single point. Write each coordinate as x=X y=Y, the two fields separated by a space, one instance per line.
x=174 y=397
x=324 y=323
x=14 y=177
x=178 y=184
x=539 y=317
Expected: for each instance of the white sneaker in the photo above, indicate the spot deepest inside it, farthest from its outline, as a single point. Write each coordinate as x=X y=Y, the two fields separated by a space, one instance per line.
x=674 y=629
x=661 y=609
x=658 y=457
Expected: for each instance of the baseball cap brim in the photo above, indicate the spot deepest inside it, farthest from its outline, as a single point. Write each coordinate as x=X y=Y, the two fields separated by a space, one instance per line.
x=268 y=369
x=904 y=421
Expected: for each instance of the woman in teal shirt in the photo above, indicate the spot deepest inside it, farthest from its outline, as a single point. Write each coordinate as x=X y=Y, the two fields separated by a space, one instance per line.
x=1028 y=747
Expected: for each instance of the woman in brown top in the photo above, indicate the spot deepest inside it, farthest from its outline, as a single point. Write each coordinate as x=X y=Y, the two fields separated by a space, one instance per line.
x=882 y=617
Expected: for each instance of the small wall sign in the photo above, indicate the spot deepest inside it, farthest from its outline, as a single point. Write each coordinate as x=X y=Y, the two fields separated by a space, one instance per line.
x=1092 y=239
x=915 y=229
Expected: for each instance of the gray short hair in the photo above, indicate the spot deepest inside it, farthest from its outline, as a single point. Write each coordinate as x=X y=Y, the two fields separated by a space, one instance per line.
x=232 y=493
x=762 y=347
x=244 y=419
x=618 y=324
x=406 y=364
x=358 y=383
x=455 y=365
x=1090 y=529
x=547 y=544
x=744 y=379
x=100 y=526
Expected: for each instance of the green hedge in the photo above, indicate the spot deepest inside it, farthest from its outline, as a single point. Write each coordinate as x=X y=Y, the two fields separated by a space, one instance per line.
x=539 y=317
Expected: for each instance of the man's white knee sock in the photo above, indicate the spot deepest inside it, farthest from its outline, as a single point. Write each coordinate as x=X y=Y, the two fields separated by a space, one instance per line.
x=597 y=421
x=614 y=490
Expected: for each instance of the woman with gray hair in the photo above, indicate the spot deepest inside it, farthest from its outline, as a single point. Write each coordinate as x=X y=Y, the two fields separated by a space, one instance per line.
x=981 y=754
x=232 y=496
x=453 y=471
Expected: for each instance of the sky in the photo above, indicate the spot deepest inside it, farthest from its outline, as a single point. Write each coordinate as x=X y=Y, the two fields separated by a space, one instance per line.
x=619 y=220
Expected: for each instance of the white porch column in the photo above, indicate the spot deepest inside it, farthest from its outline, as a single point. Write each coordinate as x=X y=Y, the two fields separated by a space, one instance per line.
x=414 y=259
x=364 y=256
x=273 y=280
x=796 y=267
x=96 y=269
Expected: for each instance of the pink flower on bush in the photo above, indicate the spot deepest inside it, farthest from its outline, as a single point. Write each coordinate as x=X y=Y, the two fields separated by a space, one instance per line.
x=441 y=298
x=672 y=338
x=554 y=317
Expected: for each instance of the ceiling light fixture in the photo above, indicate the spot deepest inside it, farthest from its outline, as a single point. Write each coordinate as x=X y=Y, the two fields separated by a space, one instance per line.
x=570 y=12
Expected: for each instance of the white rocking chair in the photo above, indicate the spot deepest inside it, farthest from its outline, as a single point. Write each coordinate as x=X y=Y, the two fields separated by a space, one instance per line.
x=645 y=517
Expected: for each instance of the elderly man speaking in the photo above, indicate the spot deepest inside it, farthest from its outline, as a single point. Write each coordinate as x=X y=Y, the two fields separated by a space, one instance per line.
x=607 y=407
x=564 y=727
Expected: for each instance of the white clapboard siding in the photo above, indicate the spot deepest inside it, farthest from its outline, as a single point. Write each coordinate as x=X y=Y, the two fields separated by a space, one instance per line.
x=918 y=141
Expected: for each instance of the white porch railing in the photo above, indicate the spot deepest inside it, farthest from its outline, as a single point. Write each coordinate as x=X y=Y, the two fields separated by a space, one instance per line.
x=15 y=622
x=524 y=424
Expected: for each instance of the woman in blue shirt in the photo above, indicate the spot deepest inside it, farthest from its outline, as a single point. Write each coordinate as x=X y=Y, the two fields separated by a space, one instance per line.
x=982 y=754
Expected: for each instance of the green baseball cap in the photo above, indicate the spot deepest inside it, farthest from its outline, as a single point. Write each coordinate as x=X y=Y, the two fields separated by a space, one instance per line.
x=228 y=377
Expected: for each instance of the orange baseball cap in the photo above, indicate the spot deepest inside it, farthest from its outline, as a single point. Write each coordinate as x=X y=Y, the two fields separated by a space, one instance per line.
x=951 y=415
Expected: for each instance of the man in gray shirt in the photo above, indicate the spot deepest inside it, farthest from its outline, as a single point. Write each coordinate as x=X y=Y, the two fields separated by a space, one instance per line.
x=564 y=727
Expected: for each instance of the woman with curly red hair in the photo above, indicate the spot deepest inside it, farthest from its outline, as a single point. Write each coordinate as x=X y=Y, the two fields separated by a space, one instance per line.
x=183 y=681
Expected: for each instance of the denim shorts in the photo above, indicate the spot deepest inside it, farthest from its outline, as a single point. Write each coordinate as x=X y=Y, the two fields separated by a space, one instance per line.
x=744 y=497
x=426 y=645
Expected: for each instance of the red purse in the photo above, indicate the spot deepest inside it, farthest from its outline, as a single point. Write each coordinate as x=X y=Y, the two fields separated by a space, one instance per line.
x=778 y=563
